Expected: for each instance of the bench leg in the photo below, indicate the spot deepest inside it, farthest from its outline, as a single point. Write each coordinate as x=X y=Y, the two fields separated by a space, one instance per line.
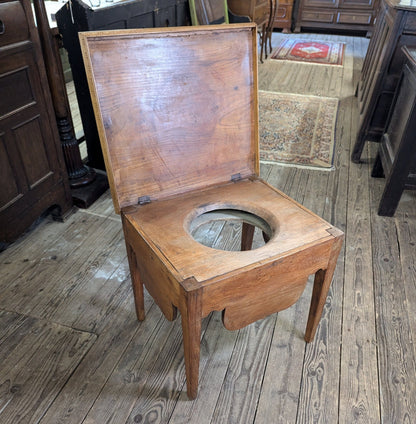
x=322 y=282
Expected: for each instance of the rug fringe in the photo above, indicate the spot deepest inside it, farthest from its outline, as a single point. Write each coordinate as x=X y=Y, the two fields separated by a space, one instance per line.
x=297 y=165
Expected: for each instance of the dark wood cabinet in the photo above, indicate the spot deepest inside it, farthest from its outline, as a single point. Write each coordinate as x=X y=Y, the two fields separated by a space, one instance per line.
x=32 y=169
x=396 y=158
x=382 y=67
x=77 y=16
x=346 y=15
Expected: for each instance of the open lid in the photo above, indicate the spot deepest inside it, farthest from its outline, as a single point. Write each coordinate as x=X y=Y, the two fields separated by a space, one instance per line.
x=176 y=108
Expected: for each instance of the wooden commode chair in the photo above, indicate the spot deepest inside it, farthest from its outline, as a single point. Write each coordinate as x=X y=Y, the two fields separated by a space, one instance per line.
x=177 y=114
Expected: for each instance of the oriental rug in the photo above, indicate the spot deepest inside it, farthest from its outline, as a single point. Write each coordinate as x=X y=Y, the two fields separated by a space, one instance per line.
x=320 y=52
x=296 y=129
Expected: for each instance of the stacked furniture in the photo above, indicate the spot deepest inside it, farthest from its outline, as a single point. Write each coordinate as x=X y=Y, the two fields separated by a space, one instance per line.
x=396 y=159
x=283 y=17
x=395 y=28
x=346 y=15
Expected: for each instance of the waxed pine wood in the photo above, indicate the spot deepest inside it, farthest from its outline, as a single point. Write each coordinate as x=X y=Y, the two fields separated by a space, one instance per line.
x=395 y=338
x=187 y=142
x=33 y=345
x=213 y=130
x=133 y=371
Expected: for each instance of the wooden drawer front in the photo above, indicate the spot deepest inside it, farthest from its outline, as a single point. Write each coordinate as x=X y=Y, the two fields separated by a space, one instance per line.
x=261 y=13
x=283 y=12
x=356 y=4
x=13 y=25
x=285 y=4
x=354 y=18
x=410 y=25
x=242 y=8
x=321 y=4
x=326 y=17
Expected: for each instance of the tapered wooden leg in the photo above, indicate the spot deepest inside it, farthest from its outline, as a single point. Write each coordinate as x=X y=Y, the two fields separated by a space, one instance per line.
x=358 y=148
x=136 y=283
x=377 y=171
x=191 y=329
x=322 y=282
x=247 y=234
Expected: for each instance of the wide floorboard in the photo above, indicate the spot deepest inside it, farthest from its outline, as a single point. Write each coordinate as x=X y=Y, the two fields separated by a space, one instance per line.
x=72 y=351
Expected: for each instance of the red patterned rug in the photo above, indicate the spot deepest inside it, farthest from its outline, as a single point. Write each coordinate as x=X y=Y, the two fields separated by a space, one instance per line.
x=322 y=52
x=297 y=129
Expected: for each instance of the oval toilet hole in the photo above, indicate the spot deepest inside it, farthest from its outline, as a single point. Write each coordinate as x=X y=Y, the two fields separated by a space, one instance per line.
x=222 y=229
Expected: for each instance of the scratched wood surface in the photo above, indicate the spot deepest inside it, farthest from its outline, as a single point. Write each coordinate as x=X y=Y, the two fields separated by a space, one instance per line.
x=71 y=350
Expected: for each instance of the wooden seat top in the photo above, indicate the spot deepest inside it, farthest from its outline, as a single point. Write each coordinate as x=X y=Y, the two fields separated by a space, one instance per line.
x=165 y=225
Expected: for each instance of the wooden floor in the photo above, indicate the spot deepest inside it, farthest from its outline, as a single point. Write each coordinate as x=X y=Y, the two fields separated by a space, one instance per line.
x=71 y=350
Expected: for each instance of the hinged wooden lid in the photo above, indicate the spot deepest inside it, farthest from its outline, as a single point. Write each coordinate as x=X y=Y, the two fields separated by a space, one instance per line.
x=176 y=108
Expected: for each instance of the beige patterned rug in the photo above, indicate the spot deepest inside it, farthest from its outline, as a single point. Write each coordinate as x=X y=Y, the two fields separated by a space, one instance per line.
x=296 y=129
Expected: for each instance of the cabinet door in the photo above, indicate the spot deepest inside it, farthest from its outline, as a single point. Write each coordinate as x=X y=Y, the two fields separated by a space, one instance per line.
x=32 y=171
x=29 y=152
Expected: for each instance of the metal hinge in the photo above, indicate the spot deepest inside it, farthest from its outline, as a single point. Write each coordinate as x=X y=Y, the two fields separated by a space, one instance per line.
x=143 y=200
x=235 y=177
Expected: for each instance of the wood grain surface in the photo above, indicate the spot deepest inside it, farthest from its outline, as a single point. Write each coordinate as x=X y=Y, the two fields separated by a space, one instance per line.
x=132 y=372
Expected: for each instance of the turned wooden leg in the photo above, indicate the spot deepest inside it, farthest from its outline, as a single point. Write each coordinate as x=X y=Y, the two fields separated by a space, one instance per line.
x=273 y=9
x=321 y=286
x=247 y=234
x=262 y=41
x=191 y=329
x=136 y=283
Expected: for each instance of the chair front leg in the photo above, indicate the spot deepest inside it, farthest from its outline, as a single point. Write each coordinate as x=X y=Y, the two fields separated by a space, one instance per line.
x=190 y=309
x=322 y=282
